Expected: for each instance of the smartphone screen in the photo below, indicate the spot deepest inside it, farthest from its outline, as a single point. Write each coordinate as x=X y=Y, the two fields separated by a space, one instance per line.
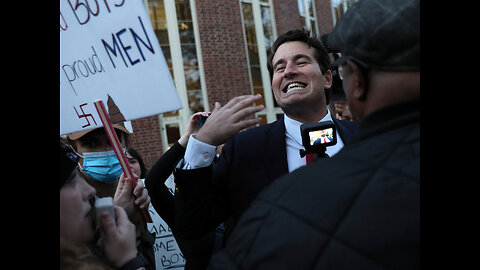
x=202 y=120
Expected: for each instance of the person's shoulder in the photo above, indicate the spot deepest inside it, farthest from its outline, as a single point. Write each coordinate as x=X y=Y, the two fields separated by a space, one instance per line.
x=260 y=130
x=346 y=129
x=345 y=124
x=257 y=137
x=332 y=171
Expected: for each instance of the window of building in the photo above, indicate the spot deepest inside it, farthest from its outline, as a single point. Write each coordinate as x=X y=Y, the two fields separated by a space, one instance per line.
x=189 y=52
x=308 y=14
x=339 y=7
x=260 y=33
x=156 y=10
x=182 y=54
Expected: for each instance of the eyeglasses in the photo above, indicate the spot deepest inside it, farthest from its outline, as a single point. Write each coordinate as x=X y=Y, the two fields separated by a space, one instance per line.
x=340 y=62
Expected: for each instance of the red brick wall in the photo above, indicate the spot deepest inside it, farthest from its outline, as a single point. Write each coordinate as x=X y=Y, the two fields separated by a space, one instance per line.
x=223 y=50
x=287 y=16
x=324 y=16
x=146 y=139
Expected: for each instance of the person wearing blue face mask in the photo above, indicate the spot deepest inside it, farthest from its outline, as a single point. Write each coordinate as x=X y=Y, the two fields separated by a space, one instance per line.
x=102 y=166
x=101 y=169
x=98 y=161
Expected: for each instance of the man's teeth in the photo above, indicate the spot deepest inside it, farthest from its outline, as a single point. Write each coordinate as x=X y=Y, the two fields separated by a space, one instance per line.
x=295 y=86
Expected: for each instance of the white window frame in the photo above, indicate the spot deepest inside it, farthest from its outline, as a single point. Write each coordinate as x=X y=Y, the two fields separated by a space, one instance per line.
x=178 y=69
x=345 y=8
x=270 y=110
x=308 y=18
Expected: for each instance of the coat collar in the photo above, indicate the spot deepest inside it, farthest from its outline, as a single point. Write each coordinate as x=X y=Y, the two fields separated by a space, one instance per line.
x=389 y=118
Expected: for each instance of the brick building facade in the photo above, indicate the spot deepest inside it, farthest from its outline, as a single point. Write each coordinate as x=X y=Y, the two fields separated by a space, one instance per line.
x=217 y=52
x=222 y=41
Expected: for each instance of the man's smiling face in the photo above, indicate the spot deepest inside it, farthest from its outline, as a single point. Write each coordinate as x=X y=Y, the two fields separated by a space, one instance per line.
x=297 y=78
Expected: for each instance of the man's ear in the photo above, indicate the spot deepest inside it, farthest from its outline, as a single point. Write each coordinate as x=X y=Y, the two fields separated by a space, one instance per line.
x=328 y=79
x=359 y=82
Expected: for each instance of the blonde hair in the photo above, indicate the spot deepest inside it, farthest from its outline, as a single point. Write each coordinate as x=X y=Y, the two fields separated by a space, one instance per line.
x=77 y=257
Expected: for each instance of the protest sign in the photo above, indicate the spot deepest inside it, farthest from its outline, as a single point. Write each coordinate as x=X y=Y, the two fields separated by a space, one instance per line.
x=167 y=252
x=109 y=52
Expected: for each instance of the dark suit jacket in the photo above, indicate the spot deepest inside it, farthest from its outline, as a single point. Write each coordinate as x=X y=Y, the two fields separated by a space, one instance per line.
x=250 y=161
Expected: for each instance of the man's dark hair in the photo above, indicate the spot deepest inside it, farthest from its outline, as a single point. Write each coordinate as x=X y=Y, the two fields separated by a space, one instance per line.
x=321 y=54
x=304 y=35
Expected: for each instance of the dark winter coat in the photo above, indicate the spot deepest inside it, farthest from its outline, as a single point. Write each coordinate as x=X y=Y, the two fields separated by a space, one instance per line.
x=359 y=209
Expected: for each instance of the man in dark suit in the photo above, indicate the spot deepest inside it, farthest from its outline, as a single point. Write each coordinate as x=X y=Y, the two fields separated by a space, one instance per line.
x=251 y=160
x=366 y=213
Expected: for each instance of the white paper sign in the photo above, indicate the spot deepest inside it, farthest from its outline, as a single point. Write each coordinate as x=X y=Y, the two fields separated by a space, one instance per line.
x=109 y=51
x=166 y=250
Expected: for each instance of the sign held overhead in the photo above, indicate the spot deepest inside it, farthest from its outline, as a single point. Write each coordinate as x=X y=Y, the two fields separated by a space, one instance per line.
x=109 y=52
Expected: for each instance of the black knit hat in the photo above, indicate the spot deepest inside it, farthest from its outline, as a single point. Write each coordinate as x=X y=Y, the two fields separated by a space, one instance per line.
x=68 y=162
x=384 y=34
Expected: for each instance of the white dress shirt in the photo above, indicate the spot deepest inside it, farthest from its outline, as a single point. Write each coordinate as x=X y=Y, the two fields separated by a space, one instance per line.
x=199 y=154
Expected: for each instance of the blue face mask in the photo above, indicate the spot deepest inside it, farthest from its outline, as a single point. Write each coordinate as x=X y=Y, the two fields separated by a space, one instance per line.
x=102 y=166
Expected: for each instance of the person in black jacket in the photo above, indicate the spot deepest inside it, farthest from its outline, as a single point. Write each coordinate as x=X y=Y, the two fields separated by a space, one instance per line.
x=197 y=252
x=252 y=159
x=366 y=213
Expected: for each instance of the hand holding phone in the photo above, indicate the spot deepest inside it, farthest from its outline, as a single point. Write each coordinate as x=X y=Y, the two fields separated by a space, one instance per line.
x=104 y=205
x=118 y=238
x=203 y=119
